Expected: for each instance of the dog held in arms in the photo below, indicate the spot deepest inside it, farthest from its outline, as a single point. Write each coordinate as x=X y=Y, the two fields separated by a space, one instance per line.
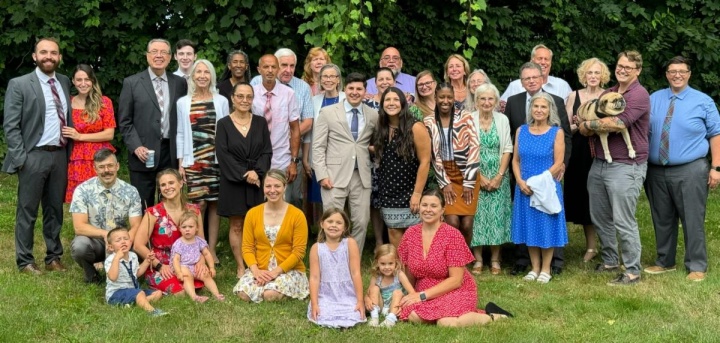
x=610 y=104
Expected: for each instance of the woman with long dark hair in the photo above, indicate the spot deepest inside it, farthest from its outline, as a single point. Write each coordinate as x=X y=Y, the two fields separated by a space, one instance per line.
x=402 y=145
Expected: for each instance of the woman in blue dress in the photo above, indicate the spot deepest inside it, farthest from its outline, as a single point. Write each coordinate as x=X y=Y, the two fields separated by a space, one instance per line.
x=538 y=217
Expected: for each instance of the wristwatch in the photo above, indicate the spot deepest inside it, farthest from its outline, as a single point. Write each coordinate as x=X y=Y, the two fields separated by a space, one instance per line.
x=158 y=266
x=422 y=296
x=295 y=160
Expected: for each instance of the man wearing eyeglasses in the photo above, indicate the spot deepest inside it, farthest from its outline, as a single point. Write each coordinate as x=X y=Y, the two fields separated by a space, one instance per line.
x=517 y=109
x=99 y=205
x=684 y=124
x=614 y=186
x=391 y=59
x=541 y=55
x=185 y=55
x=147 y=118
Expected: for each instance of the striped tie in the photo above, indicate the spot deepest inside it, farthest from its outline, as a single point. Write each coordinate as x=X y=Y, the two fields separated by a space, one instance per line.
x=58 y=109
x=267 y=113
x=665 y=135
x=161 y=103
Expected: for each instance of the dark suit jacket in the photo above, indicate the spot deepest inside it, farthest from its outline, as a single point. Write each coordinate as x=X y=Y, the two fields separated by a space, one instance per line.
x=25 y=117
x=139 y=116
x=516 y=110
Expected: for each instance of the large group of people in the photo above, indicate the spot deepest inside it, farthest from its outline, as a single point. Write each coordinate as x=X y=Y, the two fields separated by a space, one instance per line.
x=446 y=168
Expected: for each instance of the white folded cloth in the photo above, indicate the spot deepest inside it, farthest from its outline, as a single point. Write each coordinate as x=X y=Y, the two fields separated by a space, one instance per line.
x=544 y=197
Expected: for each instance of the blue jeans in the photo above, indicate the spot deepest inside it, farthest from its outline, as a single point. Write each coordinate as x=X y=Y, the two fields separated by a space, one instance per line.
x=614 y=189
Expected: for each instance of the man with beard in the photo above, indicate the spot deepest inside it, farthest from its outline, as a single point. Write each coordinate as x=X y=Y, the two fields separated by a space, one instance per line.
x=185 y=55
x=391 y=59
x=99 y=205
x=36 y=109
x=147 y=118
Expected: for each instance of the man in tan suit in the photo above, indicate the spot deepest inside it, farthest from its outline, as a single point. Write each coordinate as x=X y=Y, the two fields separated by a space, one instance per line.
x=341 y=159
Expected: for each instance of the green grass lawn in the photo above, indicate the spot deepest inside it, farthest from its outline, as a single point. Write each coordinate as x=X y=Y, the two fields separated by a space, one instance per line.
x=576 y=306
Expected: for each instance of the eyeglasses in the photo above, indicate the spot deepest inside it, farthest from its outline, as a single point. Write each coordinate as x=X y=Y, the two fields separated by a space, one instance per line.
x=391 y=58
x=158 y=52
x=678 y=72
x=329 y=77
x=240 y=97
x=531 y=78
x=425 y=84
x=109 y=167
x=625 y=68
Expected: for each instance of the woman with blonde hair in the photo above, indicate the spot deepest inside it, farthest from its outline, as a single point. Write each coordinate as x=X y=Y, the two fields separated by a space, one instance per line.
x=457 y=70
x=316 y=58
x=593 y=75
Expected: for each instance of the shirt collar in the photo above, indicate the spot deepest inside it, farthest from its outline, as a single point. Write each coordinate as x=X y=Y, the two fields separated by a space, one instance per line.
x=264 y=90
x=102 y=188
x=153 y=76
x=349 y=107
x=44 y=77
x=680 y=95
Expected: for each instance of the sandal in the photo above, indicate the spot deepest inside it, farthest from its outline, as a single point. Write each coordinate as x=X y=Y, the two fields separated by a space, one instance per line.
x=200 y=299
x=495 y=270
x=589 y=255
x=544 y=278
x=531 y=276
x=220 y=297
x=477 y=268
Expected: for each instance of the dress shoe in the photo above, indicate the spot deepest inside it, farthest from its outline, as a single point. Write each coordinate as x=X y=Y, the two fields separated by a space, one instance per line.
x=518 y=269
x=659 y=269
x=31 y=269
x=55 y=266
x=556 y=270
x=624 y=280
x=696 y=276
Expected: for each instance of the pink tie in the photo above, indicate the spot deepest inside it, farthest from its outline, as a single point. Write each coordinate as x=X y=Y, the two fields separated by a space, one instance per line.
x=59 y=109
x=268 y=110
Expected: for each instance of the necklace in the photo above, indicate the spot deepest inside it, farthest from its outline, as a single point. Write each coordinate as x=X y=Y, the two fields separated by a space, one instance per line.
x=243 y=126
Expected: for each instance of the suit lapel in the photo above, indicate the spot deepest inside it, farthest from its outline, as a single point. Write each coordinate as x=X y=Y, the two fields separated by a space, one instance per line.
x=37 y=89
x=148 y=85
x=343 y=120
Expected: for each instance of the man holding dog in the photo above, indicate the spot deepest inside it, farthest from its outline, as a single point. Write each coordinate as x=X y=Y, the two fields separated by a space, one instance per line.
x=679 y=173
x=614 y=186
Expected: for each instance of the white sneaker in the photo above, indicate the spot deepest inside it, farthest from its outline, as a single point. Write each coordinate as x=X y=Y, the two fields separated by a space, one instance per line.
x=374 y=322
x=387 y=324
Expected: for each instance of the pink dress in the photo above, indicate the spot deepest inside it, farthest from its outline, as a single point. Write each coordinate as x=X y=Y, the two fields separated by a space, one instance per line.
x=448 y=249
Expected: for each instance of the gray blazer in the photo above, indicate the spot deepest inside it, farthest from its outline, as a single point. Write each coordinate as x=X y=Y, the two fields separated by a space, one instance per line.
x=25 y=117
x=139 y=117
x=334 y=149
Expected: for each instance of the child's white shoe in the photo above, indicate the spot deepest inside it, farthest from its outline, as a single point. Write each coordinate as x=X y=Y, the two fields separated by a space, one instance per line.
x=387 y=323
x=374 y=322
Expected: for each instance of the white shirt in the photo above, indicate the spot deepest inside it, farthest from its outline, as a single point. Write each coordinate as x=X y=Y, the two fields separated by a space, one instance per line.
x=51 y=131
x=124 y=280
x=555 y=86
x=349 y=115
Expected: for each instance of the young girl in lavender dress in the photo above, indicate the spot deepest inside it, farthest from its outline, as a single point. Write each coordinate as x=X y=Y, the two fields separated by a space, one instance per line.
x=336 y=289
x=186 y=253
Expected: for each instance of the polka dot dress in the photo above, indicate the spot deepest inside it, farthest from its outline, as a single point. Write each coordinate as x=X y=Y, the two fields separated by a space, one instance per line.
x=530 y=226
x=397 y=176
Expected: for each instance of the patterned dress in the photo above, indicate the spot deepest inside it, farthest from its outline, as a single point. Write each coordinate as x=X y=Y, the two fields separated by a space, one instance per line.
x=336 y=296
x=80 y=165
x=293 y=284
x=189 y=253
x=397 y=183
x=162 y=237
x=448 y=249
x=530 y=226
x=374 y=177
x=491 y=225
x=203 y=178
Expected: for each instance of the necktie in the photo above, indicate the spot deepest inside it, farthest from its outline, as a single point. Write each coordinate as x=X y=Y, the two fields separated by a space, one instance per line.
x=665 y=135
x=58 y=109
x=354 y=123
x=161 y=103
x=268 y=109
x=130 y=272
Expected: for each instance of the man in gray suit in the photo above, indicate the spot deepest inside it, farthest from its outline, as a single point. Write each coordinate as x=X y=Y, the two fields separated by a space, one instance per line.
x=36 y=109
x=147 y=117
x=341 y=159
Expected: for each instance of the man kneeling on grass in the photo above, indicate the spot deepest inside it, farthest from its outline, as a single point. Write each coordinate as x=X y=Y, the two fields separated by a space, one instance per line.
x=123 y=269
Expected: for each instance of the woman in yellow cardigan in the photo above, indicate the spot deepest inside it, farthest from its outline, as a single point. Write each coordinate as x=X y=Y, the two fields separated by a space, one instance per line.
x=274 y=242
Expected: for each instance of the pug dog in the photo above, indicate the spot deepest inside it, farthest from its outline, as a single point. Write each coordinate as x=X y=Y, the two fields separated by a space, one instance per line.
x=610 y=104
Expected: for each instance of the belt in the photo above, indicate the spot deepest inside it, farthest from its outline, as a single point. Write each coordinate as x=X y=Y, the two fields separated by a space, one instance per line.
x=47 y=148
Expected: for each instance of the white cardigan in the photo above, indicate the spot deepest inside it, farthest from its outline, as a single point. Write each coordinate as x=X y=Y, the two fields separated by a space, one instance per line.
x=502 y=125
x=184 y=131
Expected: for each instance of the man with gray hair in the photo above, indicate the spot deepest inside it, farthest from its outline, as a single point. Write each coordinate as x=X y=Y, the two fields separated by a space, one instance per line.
x=542 y=55
x=147 y=119
x=517 y=110
x=287 y=61
x=99 y=205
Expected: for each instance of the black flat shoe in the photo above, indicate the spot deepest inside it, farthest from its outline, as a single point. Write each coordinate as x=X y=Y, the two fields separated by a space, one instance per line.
x=492 y=308
x=556 y=270
x=518 y=269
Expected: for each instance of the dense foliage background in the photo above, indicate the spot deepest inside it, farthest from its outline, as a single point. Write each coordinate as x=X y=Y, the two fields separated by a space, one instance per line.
x=495 y=35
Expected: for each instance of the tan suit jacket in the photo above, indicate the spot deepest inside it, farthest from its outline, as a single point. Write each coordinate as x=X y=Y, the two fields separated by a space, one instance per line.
x=334 y=150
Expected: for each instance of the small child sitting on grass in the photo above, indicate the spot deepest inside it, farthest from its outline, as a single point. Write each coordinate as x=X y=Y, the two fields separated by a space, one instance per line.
x=123 y=270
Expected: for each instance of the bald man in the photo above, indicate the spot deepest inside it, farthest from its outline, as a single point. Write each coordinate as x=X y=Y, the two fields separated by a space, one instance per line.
x=391 y=58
